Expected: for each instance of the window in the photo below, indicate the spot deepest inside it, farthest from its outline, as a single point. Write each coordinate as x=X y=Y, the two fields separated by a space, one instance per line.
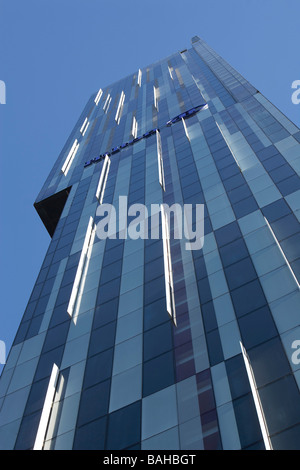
x=226 y=140
x=281 y=251
x=134 y=127
x=160 y=161
x=120 y=108
x=82 y=267
x=155 y=93
x=98 y=96
x=41 y=432
x=102 y=180
x=107 y=103
x=139 y=79
x=257 y=402
x=70 y=157
x=185 y=128
x=170 y=300
x=84 y=126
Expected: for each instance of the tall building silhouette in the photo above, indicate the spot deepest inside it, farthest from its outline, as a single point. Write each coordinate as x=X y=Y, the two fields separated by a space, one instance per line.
x=149 y=342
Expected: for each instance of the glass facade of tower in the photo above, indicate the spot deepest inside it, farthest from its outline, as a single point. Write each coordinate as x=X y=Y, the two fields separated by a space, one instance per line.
x=99 y=360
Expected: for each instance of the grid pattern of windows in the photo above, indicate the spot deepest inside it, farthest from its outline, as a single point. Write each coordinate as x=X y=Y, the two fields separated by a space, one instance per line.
x=127 y=376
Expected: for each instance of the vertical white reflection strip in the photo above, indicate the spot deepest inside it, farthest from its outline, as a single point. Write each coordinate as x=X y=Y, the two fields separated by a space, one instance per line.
x=83 y=125
x=139 y=81
x=134 y=127
x=84 y=274
x=155 y=97
x=160 y=160
x=107 y=102
x=257 y=402
x=98 y=96
x=282 y=252
x=70 y=157
x=41 y=432
x=102 y=180
x=85 y=129
x=80 y=267
x=185 y=128
x=120 y=107
x=170 y=301
x=170 y=72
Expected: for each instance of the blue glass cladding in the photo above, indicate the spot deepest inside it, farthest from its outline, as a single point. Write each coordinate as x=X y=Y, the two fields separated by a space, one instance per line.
x=221 y=296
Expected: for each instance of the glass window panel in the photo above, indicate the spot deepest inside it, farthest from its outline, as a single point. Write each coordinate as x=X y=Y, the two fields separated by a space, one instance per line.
x=269 y=361
x=124 y=427
x=218 y=285
x=276 y=210
x=191 y=436
x=285 y=227
x=27 y=432
x=102 y=338
x=129 y=326
x=157 y=341
x=230 y=339
x=158 y=373
x=8 y=435
x=56 y=336
x=248 y=297
x=127 y=354
x=154 y=289
x=240 y=273
x=37 y=396
x=257 y=327
x=167 y=440
x=98 y=368
x=291 y=247
x=75 y=351
x=130 y=301
x=209 y=317
x=288 y=409
x=159 y=412
x=267 y=260
x=13 y=406
x=245 y=207
x=278 y=283
x=287 y=440
x=228 y=427
x=220 y=384
x=289 y=185
x=132 y=280
x=227 y=234
x=91 y=436
x=247 y=421
x=130 y=385
x=214 y=347
x=237 y=376
x=233 y=252
x=155 y=314
x=93 y=403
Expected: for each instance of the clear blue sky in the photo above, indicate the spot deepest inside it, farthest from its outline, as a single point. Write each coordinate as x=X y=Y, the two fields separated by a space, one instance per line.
x=55 y=53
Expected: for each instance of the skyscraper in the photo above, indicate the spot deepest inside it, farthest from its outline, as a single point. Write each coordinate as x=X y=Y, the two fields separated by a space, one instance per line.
x=137 y=336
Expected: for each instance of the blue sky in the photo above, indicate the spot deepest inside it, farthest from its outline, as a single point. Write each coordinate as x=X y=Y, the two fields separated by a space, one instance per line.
x=55 y=53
